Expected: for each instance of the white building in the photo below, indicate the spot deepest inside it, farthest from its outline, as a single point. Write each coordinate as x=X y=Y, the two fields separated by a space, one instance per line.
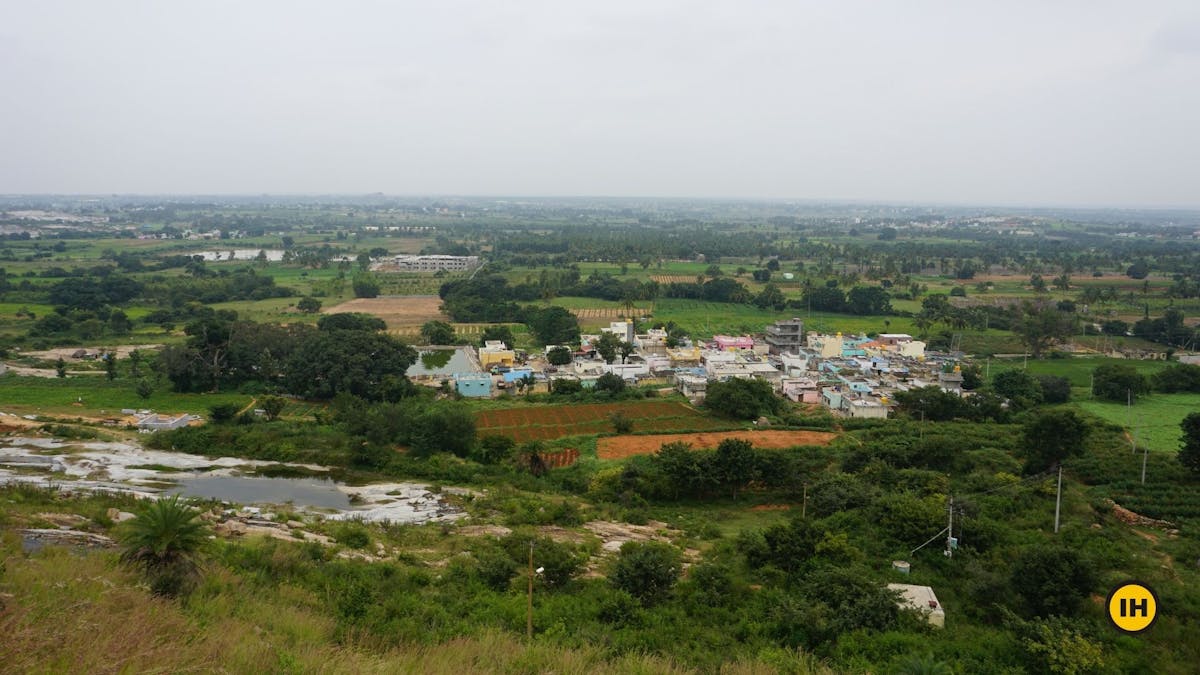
x=867 y=409
x=434 y=263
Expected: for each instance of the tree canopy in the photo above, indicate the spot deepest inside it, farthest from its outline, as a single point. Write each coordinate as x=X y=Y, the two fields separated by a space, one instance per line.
x=741 y=399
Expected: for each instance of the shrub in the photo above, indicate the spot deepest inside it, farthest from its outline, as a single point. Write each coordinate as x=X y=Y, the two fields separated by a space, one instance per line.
x=621 y=422
x=494 y=449
x=1055 y=389
x=559 y=562
x=273 y=406
x=1178 y=377
x=646 y=570
x=1051 y=580
x=1019 y=387
x=1117 y=381
x=223 y=412
x=496 y=568
x=353 y=535
x=610 y=383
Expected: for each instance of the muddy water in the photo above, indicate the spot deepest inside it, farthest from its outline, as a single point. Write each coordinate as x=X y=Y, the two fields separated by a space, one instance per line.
x=247 y=490
x=127 y=467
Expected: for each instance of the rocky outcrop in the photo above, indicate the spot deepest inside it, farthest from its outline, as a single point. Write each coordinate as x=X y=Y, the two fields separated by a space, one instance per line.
x=1130 y=518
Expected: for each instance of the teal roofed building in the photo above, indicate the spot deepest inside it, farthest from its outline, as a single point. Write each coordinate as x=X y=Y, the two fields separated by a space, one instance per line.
x=473 y=385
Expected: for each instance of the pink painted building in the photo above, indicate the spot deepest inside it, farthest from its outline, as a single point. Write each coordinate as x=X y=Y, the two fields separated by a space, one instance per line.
x=730 y=342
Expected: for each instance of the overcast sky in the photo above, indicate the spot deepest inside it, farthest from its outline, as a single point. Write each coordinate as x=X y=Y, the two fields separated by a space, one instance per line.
x=1088 y=102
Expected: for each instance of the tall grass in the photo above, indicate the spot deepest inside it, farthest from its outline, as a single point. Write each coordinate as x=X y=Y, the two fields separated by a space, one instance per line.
x=84 y=614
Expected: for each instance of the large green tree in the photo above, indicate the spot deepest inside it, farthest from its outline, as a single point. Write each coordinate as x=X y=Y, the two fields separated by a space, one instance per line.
x=559 y=356
x=1118 y=382
x=502 y=333
x=868 y=300
x=931 y=404
x=437 y=333
x=1189 y=453
x=351 y=321
x=1022 y=390
x=607 y=345
x=733 y=464
x=553 y=325
x=741 y=399
x=1040 y=326
x=1050 y=437
x=365 y=364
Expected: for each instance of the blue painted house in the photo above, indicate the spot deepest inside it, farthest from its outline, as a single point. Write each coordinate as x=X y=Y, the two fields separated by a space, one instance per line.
x=473 y=385
x=517 y=374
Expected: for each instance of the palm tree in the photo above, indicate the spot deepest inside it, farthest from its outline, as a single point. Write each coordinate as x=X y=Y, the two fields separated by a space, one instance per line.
x=163 y=541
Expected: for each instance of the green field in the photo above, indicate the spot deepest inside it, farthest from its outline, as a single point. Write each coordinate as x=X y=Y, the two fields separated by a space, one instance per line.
x=1153 y=421
x=94 y=395
x=1076 y=369
x=705 y=319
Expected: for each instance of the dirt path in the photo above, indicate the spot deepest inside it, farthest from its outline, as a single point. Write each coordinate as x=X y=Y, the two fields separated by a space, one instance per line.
x=66 y=353
x=49 y=372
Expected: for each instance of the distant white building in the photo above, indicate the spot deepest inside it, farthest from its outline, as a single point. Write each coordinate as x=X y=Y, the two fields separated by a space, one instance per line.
x=434 y=263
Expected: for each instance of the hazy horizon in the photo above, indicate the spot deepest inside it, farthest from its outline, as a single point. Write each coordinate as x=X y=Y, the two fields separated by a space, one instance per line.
x=1070 y=104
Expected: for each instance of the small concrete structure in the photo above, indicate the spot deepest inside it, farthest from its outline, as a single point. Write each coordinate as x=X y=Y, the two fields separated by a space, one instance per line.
x=473 y=385
x=868 y=409
x=692 y=386
x=155 y=422
x=923 y=600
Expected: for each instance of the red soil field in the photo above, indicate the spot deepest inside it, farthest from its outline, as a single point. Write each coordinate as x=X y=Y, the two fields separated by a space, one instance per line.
x=557 y=421
x=620 y=447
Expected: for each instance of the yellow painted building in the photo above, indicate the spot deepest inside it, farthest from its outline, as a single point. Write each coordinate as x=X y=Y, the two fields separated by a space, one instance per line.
x=496 y=353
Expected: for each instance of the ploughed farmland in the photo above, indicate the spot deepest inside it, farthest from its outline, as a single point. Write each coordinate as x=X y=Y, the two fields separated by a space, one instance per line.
x=557 y=421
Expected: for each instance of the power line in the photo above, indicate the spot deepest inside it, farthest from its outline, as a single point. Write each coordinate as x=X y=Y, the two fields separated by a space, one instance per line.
x=1021 y=483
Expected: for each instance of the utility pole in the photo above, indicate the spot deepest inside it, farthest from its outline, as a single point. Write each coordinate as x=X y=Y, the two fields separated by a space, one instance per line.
x=950 y=530
x=804 y=504
x=529 y=606
x=1145 y=454
x=1129 y=411
x=1058 y=499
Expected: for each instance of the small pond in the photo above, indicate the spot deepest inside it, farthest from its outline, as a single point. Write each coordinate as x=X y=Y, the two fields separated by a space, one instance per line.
x=434 y=362
x=315 y=492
